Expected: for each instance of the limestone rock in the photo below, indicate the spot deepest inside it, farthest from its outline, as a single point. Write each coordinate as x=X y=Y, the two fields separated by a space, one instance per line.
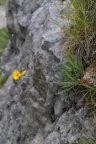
x=38 y=139
x=31 y=111
x=53 y=138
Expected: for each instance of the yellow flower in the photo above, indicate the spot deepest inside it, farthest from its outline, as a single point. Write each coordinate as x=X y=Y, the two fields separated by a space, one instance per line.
x=16 y=75
x=23 y=73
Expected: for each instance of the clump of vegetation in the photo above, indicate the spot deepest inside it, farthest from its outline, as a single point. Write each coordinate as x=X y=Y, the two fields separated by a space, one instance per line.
x=71 y=72
x=3 y=2
x=79 y=73
x=73 y=77
x=82 y=28
x=3 y=39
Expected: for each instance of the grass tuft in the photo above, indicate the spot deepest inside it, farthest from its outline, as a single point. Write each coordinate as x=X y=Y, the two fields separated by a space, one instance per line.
x=81 y=31
x=71 y=72
x=82 y=28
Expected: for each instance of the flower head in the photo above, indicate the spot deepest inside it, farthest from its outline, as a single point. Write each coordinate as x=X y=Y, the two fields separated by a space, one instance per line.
x=17 y=74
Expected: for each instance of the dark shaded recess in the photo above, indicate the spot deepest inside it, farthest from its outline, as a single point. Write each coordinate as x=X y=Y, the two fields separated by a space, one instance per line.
x=13 y=46
x=39 y=82
x=22 y=39
x=47 y=45
x=37 y=6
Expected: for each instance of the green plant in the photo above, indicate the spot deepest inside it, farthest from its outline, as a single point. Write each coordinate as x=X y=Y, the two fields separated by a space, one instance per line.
x=87 y=141
x=71 y=72
x=81 y=33
x=3 y=39
x=82 y=22
x=82 y=28
x=81 y=17
x=3 y=80
x=72 y=78
x=3 y=2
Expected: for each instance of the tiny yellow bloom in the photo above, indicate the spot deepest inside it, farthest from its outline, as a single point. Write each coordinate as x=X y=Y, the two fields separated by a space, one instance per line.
x=16 y=75
x=23 y=73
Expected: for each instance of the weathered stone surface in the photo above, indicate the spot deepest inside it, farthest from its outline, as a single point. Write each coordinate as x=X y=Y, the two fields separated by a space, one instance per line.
x=53 y=138
x=38 y=139
x=31 y=111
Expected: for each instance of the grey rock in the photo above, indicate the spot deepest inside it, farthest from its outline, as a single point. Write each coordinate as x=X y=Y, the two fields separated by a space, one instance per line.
x=48 y=128
x=24 y=21
x=53 y=138
x=81 y=113
x=64 y=125
x=80 y=103
x=19 y=2
x=58 y=107
x=31 y=111
x=38 y=140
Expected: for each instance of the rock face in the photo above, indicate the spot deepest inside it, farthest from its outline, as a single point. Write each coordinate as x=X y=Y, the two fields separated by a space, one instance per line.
x=31 y=111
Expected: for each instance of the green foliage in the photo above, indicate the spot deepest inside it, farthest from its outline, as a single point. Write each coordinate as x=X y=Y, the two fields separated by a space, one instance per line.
x=81 y=33
x=82 y=28
x=70 y=77
x=82 y=19
x=3 y=2
x=71 y=72
x=3 y=39
x=81 y=39
x=3 y=80
x=89 y=141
